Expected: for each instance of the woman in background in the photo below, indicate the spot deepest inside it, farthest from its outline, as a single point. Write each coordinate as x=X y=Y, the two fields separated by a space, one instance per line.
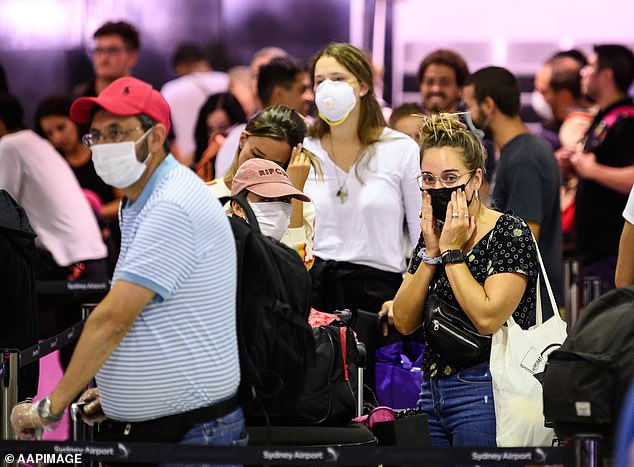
x=52 y=122
x=216 y=117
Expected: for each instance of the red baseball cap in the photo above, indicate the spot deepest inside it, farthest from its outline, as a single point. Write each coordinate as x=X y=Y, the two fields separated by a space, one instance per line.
x=124 y=96
x=264 y=178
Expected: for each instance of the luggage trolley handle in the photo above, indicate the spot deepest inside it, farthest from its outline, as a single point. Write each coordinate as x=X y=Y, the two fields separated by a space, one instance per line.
x=345 y=316
x=360 y=370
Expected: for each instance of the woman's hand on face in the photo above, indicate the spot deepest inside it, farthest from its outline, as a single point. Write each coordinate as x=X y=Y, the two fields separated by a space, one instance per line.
x=298 y=167
x=429 y=227
x=459 y=225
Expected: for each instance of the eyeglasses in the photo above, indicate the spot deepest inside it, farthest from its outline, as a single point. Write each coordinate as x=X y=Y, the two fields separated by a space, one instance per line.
x=447 y=179
x=111 y=135
x=111 y=51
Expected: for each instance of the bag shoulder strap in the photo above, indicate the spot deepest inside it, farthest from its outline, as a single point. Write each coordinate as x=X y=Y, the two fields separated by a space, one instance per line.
x=624 y=111
x=539 y=315
x=609 y=119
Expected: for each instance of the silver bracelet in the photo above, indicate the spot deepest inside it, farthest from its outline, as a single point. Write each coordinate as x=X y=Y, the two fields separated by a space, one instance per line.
x=422 y=254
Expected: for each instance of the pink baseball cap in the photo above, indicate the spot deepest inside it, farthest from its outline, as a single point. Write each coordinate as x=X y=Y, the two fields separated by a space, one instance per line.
x=264 y=178
x=124 y=96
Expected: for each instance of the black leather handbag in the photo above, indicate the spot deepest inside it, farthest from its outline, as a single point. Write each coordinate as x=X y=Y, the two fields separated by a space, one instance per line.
x=451 y=333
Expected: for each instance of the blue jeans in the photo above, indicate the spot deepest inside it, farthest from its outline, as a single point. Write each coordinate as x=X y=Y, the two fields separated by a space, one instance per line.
x=460 y=408
x=225 y=431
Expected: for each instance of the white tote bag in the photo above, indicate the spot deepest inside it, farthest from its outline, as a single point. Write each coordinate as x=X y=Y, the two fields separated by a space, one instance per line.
x=516 y=356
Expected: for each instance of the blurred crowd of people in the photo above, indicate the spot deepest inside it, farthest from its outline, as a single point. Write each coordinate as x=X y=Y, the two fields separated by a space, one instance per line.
x=372 y=198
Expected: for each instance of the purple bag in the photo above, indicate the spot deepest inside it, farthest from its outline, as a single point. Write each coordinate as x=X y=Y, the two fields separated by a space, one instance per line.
x=398 y=375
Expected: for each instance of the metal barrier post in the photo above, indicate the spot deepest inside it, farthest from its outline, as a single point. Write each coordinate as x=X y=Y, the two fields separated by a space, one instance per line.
x=86 y=309
x=80 y=430
x=8 y=394
x=588 y=450
x=592 y=289
x=571 y=295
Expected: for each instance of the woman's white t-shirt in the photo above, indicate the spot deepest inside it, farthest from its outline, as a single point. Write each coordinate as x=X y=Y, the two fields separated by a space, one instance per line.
x=382 y=198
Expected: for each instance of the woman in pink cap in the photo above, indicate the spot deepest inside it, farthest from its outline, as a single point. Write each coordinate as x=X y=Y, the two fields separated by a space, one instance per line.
x=269 y=192
x=276 y=134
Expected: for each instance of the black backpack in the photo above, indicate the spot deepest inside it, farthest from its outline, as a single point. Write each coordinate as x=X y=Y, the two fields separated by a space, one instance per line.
x=586 y=379
x=275 y=341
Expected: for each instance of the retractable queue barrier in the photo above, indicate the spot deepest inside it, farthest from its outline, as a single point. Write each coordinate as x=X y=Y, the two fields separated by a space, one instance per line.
x=289 y=455
x=13 y=360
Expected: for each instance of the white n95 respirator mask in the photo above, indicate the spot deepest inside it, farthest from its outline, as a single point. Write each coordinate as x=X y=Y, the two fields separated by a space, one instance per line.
x=335 y=100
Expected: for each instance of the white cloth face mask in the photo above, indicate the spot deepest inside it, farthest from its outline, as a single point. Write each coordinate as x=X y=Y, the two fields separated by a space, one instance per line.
x=117 y=164
x=541 y=107
x=335 y=100
x=273 y=217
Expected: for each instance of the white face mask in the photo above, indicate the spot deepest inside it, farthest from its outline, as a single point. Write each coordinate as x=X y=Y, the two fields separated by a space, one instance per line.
x=541 y=107
x=273 y=217
x=335 y=100
x=116 y=163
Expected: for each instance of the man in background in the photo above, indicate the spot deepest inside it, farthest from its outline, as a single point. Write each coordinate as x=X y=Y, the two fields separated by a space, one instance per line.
x=280 y=82
x=186 y=94
x=441 y=77
x=605 y=166
x=558 y=99
x=526 y=180
x=115 y=52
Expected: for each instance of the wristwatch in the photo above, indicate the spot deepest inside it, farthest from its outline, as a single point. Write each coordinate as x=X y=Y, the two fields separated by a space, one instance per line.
x=44 y=411
x=452 y=256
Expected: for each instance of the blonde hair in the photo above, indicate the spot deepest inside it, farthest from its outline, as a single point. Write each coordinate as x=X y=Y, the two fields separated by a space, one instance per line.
x=446 y=130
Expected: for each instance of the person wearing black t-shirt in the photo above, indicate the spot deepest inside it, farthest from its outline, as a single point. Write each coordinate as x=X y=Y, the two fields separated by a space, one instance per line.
x=526 y=179
x=605 y=167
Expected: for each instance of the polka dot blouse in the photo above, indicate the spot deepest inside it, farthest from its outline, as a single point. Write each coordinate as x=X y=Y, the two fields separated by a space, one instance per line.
x=508 y=247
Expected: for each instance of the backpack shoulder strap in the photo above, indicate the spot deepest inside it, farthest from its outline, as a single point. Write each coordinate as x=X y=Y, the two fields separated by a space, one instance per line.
x=244 y=204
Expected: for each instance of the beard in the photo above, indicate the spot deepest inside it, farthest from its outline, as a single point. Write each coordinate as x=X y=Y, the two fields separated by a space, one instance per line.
x=436 y=103
x=482 y=123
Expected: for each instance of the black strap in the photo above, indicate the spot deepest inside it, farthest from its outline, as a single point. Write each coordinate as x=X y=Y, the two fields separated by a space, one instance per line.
x=244 y=204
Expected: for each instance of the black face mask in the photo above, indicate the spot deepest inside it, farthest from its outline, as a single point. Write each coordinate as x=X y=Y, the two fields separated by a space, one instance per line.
x=440 y=198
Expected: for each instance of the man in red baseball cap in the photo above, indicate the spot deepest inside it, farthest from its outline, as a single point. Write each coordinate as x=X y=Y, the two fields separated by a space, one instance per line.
x=174 y=237
x=129 y=123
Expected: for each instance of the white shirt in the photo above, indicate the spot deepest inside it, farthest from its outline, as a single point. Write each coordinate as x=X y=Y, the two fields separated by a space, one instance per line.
x=185 y=96
x=628 y=212
x=367 y=228
x=227 y=152
x=41 y=181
